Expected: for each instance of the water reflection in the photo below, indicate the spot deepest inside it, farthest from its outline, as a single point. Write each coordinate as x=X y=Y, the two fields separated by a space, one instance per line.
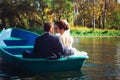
x=103 y=62
x=68 y=75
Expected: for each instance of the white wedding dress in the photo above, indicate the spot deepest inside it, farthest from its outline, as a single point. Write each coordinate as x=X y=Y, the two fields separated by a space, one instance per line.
x=67 y=41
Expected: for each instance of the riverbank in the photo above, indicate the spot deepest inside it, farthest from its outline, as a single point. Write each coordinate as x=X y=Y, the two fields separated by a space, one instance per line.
x=88 y=32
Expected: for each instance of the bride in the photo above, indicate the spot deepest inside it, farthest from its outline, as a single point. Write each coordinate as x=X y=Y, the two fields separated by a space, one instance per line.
x=63 y=29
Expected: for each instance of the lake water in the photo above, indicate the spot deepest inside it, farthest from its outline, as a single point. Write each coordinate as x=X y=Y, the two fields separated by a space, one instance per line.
x=103 y=62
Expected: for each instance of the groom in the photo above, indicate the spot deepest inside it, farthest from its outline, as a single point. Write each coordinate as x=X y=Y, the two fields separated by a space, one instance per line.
x=48 y=45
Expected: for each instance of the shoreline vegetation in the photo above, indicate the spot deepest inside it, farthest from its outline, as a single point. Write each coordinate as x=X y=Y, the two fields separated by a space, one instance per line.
x=84 y=32
x=89 y=32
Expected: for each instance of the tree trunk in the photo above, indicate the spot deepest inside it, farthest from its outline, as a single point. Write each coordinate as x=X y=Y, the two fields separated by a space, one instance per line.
x=60 y=17
x=104 y=18
x=100 y=22
x=93 y=20
x=21 y=22
x=93 y=15
x=105 y=13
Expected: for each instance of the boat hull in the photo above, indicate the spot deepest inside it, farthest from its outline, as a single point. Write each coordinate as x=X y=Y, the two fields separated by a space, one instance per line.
x=38 y=65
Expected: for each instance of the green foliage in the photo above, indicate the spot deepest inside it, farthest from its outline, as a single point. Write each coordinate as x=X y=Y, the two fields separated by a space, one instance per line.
x=18 y=13
x=113 y=22
x=90 y=32
x=63 y=9
x=37 y=29
x=29 y=13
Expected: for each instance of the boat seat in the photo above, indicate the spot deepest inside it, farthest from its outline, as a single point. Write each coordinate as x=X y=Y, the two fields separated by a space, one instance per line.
x=12 y=38
x=12 y=41
x=17 y=46
x=17 y=49
x=18 y=55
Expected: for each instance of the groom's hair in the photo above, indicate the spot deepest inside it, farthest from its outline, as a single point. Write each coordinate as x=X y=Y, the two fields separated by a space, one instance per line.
x=47 y=26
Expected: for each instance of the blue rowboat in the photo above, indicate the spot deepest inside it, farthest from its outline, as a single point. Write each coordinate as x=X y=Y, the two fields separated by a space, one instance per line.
x=15 y=41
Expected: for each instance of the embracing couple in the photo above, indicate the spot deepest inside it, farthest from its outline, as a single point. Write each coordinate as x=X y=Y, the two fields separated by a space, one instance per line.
x=51 y=46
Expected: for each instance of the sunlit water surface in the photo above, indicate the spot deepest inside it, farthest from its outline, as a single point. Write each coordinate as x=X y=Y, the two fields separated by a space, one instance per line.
x=103 y=62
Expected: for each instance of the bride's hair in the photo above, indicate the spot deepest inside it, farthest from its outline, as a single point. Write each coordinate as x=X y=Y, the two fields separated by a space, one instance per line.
x=62 y=25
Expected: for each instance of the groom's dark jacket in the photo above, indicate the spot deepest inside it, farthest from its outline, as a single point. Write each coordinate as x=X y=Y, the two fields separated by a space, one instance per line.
x=49 y=46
